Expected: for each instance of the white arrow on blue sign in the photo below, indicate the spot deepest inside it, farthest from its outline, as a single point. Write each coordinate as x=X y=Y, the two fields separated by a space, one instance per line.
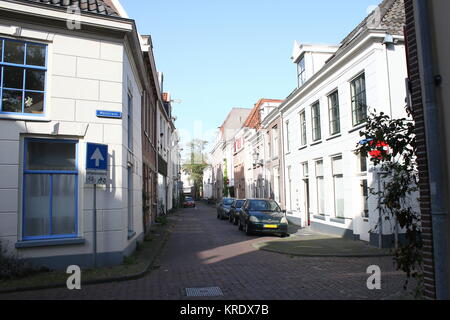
x=97 y=157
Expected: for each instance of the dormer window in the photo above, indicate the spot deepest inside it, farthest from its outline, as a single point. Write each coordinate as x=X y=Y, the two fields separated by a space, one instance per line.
x=301 y=72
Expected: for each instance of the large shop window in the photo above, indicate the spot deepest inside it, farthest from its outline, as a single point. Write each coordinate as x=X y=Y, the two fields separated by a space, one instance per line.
x=50 y=187
x=23 y=69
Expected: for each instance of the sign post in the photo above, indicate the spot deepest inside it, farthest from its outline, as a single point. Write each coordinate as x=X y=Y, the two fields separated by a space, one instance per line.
x=96 y=173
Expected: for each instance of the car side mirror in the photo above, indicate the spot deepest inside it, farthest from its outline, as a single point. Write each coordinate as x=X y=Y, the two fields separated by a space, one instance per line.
x=284 y=211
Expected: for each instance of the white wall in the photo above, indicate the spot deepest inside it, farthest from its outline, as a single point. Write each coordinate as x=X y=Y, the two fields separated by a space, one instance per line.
x=371 y=61
x=84 y=75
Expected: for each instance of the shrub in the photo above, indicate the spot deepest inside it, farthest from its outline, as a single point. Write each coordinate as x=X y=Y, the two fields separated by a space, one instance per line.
x=162 y=220
x=11 y=267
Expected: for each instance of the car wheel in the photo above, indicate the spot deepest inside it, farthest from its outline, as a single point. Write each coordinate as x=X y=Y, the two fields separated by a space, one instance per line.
x=247 y=229
x=240 y=225
x=235 y=222
x=230 y=218
x=284 y=235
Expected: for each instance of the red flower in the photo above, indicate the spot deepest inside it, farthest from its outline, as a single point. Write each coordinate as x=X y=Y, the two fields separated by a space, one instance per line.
x=378 y=154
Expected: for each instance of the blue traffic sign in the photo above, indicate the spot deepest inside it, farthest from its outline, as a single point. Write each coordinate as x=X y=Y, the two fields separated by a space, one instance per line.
x=97 y=157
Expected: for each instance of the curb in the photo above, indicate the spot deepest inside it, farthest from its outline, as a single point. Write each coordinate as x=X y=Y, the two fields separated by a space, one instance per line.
x=324 y=255
x=135 y=276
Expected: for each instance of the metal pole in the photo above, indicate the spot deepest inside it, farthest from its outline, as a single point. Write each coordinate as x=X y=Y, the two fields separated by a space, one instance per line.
x=95 y=226
x=396 y=233
x=380 y=219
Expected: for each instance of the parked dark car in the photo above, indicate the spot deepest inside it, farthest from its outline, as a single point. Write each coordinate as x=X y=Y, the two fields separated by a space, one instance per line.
x=235 y=211
x=263 y=216
x=224 y=207
x=189 y=202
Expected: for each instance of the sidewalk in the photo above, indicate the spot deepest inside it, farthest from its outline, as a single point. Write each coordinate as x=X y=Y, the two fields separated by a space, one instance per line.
x=136 y=266
x=306 y=243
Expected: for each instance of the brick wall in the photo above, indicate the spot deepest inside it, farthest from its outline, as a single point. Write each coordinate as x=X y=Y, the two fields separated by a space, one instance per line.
x=418 y=114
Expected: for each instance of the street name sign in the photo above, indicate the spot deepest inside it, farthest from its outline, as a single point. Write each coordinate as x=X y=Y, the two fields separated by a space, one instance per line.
x=96 y=163
x=109 y=114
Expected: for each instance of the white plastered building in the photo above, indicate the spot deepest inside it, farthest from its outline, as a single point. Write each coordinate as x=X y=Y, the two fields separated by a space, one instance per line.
x=46 y=209
x=326 y=182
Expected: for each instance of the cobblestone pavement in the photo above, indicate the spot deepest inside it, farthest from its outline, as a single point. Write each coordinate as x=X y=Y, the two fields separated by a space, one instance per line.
x=205 y=252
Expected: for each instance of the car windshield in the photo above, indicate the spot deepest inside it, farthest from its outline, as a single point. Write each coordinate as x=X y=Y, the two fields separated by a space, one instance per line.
x=228 y=202
x=239 y=203
x=264 y=205
x=189 y=199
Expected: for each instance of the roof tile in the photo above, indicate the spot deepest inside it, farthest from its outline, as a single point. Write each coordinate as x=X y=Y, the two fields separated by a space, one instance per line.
x=92 y=6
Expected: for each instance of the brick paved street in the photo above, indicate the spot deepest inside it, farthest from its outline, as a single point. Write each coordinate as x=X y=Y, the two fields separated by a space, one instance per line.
x=205 y=252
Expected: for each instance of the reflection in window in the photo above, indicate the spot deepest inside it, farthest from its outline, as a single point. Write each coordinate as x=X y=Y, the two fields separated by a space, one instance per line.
x=364 y=199
x=301 y=72
x=359 y=105
x=23 y=69
x=333 y=110
x=50 y=189
x=316 y=129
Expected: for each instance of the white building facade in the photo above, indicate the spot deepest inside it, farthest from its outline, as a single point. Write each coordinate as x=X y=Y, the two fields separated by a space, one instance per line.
x=326 y=182
x=222 y=152
x=208 y=183
x=54 y=82
x=167 y=140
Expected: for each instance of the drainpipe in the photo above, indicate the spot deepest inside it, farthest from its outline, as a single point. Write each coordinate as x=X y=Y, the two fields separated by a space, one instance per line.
x=435 y=162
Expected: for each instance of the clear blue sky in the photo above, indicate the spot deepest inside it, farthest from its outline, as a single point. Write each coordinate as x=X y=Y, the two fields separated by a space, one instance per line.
x=216 y=55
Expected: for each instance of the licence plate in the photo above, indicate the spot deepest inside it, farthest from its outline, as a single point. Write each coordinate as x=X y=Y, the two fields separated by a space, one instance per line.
x=270 y=226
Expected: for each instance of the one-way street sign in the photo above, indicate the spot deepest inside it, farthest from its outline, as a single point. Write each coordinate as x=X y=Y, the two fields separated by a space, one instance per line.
x=96 y=163
x=97 y=157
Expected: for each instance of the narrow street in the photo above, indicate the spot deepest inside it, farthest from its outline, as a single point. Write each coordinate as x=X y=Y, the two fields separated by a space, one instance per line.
x=205 y=252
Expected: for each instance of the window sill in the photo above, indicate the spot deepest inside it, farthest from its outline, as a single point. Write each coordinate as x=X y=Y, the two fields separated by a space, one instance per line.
x=338 y=220
x=131 y=234
x=334 y=137
x=302 y=148
x=49 y=243
x=315 y=143
x=22 y=117
x=358 y=127
x=319 y=217
x=362 y=174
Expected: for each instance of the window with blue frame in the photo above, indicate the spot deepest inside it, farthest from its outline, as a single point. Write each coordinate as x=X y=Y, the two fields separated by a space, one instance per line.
x=22 y=79
x=50 y=189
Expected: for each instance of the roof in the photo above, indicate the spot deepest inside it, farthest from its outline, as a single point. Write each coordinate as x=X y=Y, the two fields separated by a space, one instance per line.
x=254 y=119
x=392 y=20
x=92 y=6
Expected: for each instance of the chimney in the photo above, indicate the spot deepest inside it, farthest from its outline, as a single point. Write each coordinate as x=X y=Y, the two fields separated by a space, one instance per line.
x=166 y=97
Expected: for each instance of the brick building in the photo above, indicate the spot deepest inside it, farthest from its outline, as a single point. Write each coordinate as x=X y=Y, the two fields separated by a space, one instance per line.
x=428 y=50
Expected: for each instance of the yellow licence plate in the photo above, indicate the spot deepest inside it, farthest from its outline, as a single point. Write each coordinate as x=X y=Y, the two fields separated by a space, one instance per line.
x=270 y=226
